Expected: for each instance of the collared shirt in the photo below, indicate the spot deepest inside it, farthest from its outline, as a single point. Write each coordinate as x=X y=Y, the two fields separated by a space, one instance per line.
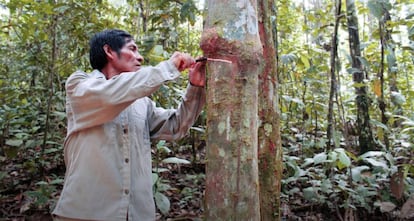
x=107 y=149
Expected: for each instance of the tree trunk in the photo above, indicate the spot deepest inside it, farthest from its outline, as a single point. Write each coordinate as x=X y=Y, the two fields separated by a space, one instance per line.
x=388 y=44
x=231 y=33
x=334 y=85
x=381 y=98
x=366 y=141
x=269 y=143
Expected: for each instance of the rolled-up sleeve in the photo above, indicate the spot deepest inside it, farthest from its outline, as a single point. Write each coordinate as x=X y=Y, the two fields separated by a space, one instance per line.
x=174 y=124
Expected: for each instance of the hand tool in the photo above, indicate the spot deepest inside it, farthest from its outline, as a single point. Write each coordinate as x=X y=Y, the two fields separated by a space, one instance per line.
x=212 y=59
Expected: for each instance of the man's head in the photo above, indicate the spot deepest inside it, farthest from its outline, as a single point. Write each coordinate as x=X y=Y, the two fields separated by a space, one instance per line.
x=116 y=48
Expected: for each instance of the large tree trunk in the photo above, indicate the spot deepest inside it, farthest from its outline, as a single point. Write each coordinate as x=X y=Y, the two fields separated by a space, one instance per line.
x=270 y=148
x=366 y=141
x=232 y=187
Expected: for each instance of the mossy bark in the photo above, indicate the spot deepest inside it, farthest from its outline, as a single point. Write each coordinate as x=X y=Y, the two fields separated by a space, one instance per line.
x=366 y=140
x=232 y=186
x=269 y=142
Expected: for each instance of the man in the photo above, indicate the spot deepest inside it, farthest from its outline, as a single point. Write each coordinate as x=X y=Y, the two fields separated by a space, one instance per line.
x=110 y=123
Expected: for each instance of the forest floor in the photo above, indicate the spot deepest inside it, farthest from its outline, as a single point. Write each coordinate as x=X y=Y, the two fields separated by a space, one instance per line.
x=186 y=190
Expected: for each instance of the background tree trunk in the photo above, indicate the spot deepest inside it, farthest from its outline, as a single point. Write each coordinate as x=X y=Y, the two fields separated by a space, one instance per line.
x=232 y=187
x=334 y=85
x=366 y=141
x=269 y=143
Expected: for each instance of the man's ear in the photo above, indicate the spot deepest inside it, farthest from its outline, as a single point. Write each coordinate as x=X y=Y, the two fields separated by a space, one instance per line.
x=109 y=52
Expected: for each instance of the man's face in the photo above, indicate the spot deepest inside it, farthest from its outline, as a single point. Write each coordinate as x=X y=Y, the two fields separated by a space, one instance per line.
x=129 y=58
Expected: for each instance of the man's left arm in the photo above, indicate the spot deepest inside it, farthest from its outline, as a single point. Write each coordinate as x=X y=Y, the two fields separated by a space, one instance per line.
x=174 y=124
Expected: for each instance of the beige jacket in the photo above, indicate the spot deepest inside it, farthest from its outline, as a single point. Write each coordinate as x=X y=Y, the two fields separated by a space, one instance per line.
x=107 y=149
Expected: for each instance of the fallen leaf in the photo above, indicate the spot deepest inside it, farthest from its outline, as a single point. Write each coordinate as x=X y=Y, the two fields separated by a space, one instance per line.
x=407 y=211
x=387 y=207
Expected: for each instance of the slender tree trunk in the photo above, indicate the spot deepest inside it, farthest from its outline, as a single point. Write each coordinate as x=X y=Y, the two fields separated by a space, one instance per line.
x=144 y=16
x=366 y=141
x=270 y=148
x=232 y=185
x=381 y=99
x=392 y=69
x=333 y=89
x=52 y=73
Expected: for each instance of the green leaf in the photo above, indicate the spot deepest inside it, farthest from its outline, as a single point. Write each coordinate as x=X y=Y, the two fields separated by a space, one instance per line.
x=61 y=115
x=309 y=193
x=371 y=154
x=175 y=160
x=377 y=163
x=308 y=161
x=162 y=202
x=41 y=183
x=2 y=175
x=199 y=129
x=407 y=129
x=411 y=33
x=326 y=186
x=51 y=150
x=288 y=58
x=305 y=61
x=320 y=158
x=397 y=98
x=156 y=54
x=353 y=70
x=14 y=143
x=154 y=178
x=356 y=172
x=163 y=187
x=56 y=181
x=378 y=7
x=364 y=62
x=160 y=170
x=343 y=160
x=379 y=124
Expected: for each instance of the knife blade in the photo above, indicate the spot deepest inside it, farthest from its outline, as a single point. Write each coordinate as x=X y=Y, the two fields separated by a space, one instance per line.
x=213 y=59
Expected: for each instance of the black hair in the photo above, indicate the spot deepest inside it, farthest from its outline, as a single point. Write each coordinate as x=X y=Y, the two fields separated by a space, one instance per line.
x=115 y=38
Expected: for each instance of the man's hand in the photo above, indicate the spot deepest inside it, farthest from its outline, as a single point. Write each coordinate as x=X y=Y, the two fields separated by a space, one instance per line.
x=197 y=74
x=182 y=61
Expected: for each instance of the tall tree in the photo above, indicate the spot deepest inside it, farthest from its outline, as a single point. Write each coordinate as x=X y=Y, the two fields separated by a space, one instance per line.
x=334 y=57
x=381 y=10
x=231 y=32
x=270 y=149
x=366 y=141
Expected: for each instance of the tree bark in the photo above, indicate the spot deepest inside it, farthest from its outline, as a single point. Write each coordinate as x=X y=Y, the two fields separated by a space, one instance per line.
x=269 y=142
x=232 y=186
x=366 y=141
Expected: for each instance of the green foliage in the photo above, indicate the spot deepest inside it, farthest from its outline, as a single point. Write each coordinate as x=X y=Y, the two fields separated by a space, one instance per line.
x=162 y=201
x=40 y=197
x=338 y=179
x=160 y=185
x=379 y=7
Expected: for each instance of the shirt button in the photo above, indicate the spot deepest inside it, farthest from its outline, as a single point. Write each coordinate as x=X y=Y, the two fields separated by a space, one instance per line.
x=126 y=191
x=126 y=160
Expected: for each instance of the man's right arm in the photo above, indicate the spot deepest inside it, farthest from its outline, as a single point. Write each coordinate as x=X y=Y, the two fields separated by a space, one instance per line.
x=96 y=100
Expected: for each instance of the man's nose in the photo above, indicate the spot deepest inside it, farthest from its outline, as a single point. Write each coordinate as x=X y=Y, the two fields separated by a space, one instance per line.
x=139 y=57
